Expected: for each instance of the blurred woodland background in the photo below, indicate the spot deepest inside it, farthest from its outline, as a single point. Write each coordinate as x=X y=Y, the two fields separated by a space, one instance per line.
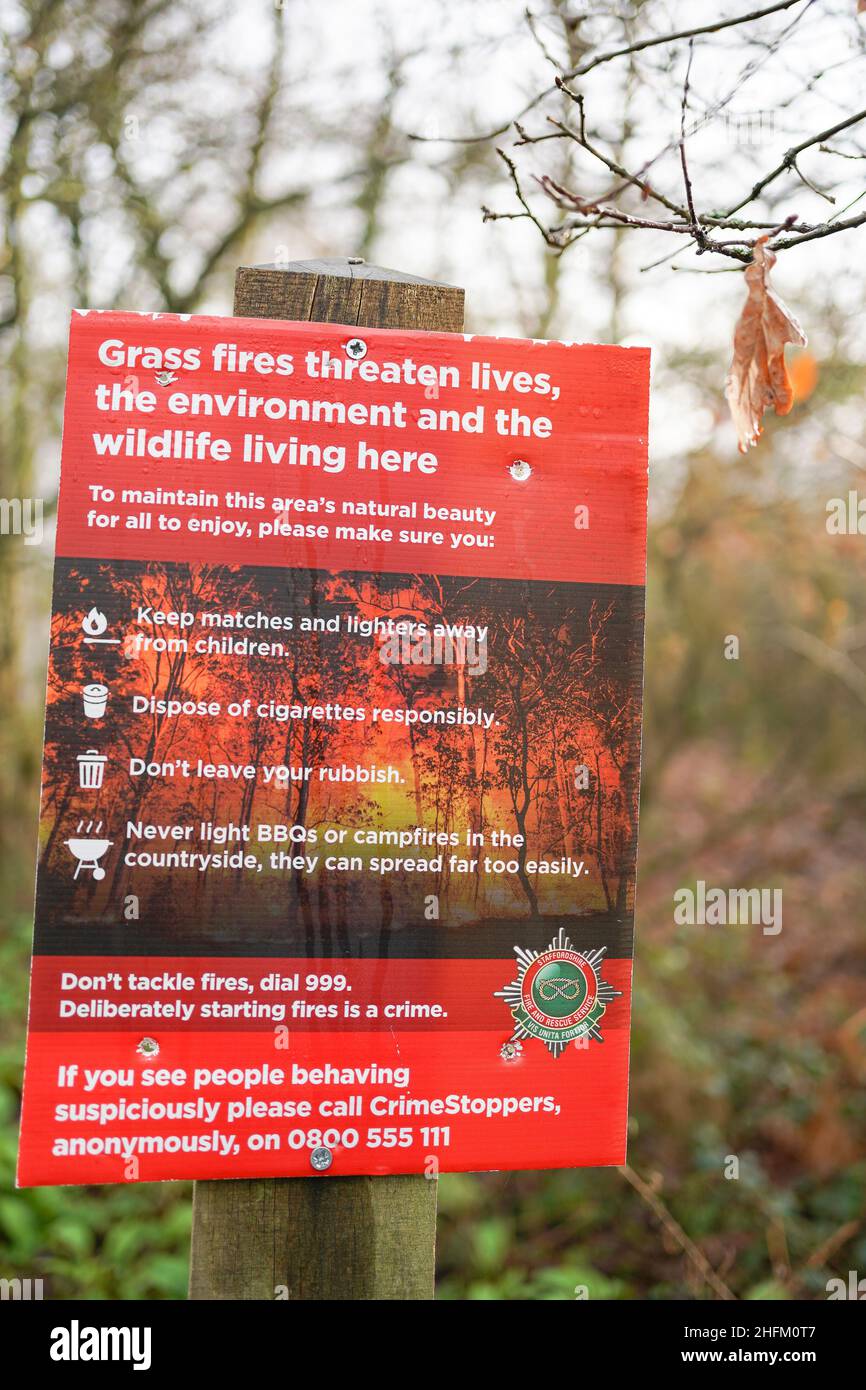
x=148 y=148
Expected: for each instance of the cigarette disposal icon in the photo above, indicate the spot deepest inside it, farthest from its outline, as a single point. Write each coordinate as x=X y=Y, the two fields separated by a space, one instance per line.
x=95 y=698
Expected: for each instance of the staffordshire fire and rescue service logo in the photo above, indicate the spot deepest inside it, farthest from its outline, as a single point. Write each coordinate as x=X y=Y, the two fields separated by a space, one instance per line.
x=559 y=995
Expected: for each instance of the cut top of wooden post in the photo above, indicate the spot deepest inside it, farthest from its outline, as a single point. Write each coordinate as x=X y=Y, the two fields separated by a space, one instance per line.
x=350 y=292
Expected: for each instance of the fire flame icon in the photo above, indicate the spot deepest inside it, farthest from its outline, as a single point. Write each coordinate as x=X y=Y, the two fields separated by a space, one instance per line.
x=93 y=625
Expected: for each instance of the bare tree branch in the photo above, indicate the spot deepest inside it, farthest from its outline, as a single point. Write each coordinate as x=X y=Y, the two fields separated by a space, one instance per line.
x=611 y=209
x=715 y=28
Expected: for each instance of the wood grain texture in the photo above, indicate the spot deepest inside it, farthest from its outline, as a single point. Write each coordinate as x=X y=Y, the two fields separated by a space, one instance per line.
x=316 y=1238
x=361 y=295
x=324 y=1237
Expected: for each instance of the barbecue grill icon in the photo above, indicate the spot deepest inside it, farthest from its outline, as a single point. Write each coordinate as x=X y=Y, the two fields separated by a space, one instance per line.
x=88 y=852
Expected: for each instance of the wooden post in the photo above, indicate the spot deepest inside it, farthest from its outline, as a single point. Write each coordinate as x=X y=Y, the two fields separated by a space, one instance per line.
x=323 y=1237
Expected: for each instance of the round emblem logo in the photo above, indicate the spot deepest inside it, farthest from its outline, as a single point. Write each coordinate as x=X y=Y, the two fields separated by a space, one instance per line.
x=559 y=989
x=559 y=995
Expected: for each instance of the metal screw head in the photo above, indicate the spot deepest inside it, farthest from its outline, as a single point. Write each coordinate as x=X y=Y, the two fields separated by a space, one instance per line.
x=356 y=260
x=356 y=348
x=321 y=1159
x=510 y=1051
x=520 y=470
x=148 y=1047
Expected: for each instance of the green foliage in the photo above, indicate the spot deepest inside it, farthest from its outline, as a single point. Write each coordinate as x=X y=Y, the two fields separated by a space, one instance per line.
x=84 y=1242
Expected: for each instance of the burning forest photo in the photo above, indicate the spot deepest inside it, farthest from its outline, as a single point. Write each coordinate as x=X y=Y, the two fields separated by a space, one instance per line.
x=493 y=779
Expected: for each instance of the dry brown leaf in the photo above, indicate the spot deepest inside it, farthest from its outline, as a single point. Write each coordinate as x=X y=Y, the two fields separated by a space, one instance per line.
x=758 y=377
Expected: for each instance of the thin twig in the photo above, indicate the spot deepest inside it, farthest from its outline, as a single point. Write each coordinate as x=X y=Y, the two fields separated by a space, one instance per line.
x=809 y=184
x=842 y=154
x=682 y=34
x=828 y=229
x=696 y=229
x=674 y=1229
x=596 y=62
x=542 y=46
x=512 y=172
x=790 y=157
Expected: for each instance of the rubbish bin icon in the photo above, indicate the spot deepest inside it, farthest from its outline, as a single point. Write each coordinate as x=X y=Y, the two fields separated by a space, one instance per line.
x=95 y=698
x=91 y=766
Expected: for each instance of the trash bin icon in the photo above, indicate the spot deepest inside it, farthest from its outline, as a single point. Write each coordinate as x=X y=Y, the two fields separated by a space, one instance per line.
x=95 y=698
x=91 y=766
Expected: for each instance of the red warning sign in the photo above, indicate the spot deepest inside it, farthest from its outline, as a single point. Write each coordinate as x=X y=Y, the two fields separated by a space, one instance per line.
x=340 y=784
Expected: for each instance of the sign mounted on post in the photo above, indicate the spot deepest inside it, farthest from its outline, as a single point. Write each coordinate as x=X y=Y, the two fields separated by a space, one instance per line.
x=339 y=810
